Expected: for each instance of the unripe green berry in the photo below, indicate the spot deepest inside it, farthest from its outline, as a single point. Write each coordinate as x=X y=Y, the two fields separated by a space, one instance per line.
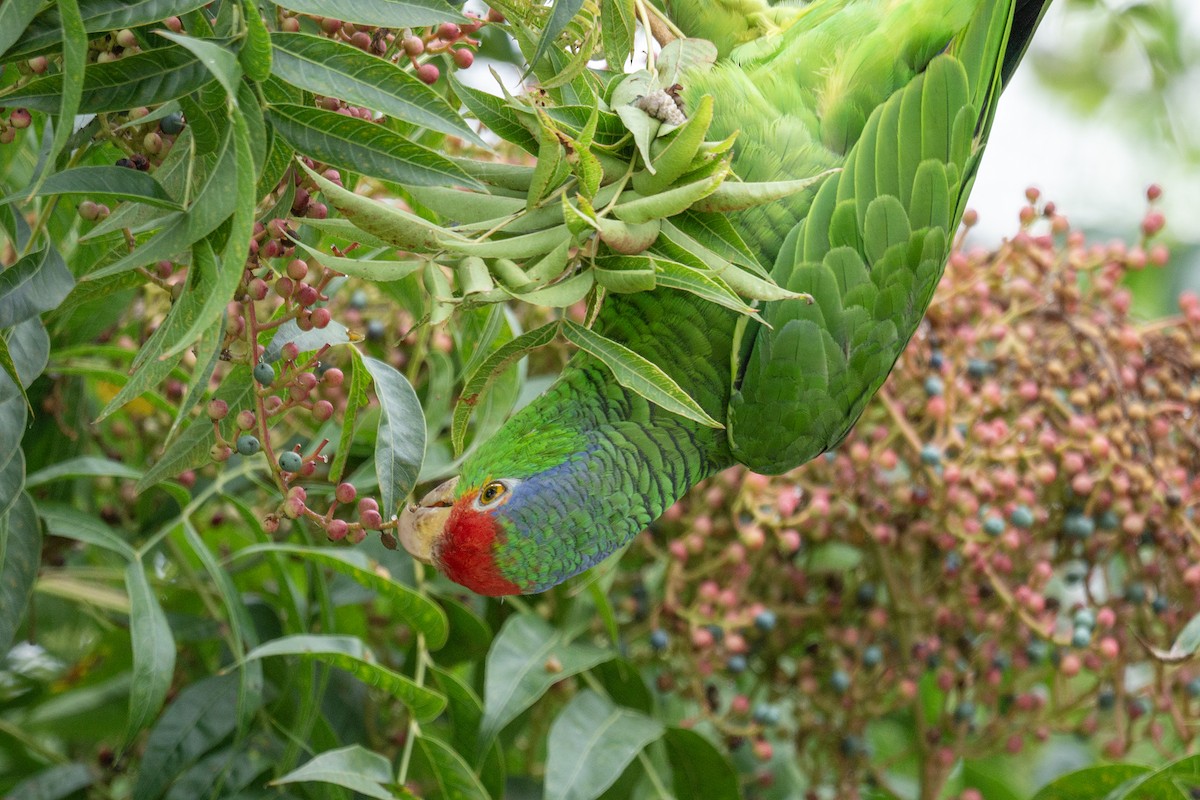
x=248 y=445
x=264 y=373
x=290 y=461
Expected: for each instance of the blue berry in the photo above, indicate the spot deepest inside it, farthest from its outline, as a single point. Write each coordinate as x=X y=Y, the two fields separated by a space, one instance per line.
x=736 y=663
x=358 y=300
x=1106 y=698
x=375 y=331
x=718 y=633
x=765 y=620
x=936 y=360
x=1074 y=574
x=954 y=562
x=934 y=386
x=853 y=747
x=1135 y=593
x=1084 y=618
x=964 y=711
x=1193 y=687
x=978 y=368
x=1078 y=526
x=1081 y=637
x=171 y=124
x=247 y=445
x=1159 y=604
x=931 y=454
x=1022 y=517
x=1036 y=651
x=264 y=373
x=290 y=462
x=1108 y=520
x=872 y=656
x=840 y=681
x=993 y=525
x=765 y=714
x=659 y=639
x=865 y=595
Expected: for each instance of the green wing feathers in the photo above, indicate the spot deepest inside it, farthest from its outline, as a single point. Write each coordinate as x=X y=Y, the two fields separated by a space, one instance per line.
x=875 y=237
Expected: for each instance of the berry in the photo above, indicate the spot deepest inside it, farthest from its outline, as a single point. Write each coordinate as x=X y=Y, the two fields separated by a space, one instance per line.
x=1078 y=526
x=1081 y=637
x=1021 y=517
x=448 y=31
x=993 y=525
x=978 y=368
x=840 y=681
x=248 y=445
x=290 y=461
x=659 y=639
x=463 y=57
x=264 y=373
x=964 y=711
x=1084 y=618
x=872 y=656
x=764 y=620
x=171 y=124
x=428 y=73
x=736 y=663
x=931 y=455
x=766 y=714
x=217 y=409
x=934 y=386
x=337 y=529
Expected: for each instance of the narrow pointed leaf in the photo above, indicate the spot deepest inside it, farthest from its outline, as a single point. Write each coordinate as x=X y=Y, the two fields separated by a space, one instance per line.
x=153 y=651
x=328 y=67
x=738 y=195
x=220 y=61
x=36 y=283
x=561 y=13
x=400 y=438
x=698 y=767
x=21 y=537
x=449 y=772
x=71 y=524
x=366 y=147
x=379 y=13
x=74 y=59
x=637 y=374
x=353 y=767
x=98 y=16
x=118 y=182
x=591 y=742
x=15 y=16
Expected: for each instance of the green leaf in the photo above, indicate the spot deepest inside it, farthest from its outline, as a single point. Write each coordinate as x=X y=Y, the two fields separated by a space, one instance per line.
x=482 y=377
x=379 y=13
x=74 y=60
x=142 y=79
x=528 y=656
x=1187 y=642
x=220 y=61
x=1091 y=783
x=353 y=767
x=15 y=16
x=330 y=67
x=356 y=400
x=680 y=55
x=54 y=783
x=361 y=146
x=618 y=22
x=400 y=437
x=194 y=722
x=21 y=547
x=739 y=195
x=98 y=15
x=119 y=182
x=380 y=271
x=499 y=117
x=350 y=654
x=674 y=275
x=36 y=283
x=590 y=744
x=698 y=768
x=26 y=351
x=72 y=524
x=82 y=467
x=561 y=14
x=450 y=775
x=215 y=202
x=413 y=607
x=12 y=479
x=625 y=273
x=638 y=374
x=153 y=651
x=255 y=55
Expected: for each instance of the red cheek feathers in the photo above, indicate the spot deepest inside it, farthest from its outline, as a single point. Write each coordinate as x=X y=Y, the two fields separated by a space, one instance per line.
x=466 y=553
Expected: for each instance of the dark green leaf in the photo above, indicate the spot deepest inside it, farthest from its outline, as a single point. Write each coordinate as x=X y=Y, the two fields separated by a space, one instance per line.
x=353 y=767
x=21 y=546
x=361 y=146
x=72 y=524
x=500 y=118
x=27 y=349
x=74 y=60
x=380 y=13
x=12 y=479
x=527 y=657
x=415 y=608
x=120 y=182
x=356 y=400
x=561 y=14
x=699 y=769
x=590 y=744
x=15 y=16
x=349 y=653
x=1090 y=783
x=618 y=22
x=451 y=776
x=98 y=15
x=82 y=467
x=36 y=283
x=193 y=723
x=142 y=79
x=153 y=651
x=218 y=60
x=400 y=438
x=329 y=67
x=255 y=55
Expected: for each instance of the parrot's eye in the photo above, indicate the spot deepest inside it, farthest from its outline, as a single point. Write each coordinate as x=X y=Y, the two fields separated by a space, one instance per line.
x=492 y=492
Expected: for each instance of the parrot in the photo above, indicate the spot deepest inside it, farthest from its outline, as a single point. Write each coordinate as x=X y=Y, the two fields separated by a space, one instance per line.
x=895 y=98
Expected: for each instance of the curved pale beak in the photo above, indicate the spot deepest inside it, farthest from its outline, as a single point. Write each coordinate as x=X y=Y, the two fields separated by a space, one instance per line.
x=421 y=523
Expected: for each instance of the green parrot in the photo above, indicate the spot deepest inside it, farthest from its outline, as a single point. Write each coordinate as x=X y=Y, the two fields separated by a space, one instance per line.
x=898 y=94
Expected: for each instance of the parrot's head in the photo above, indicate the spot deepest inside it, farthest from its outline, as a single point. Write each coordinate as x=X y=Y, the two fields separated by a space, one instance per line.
x=532 y=507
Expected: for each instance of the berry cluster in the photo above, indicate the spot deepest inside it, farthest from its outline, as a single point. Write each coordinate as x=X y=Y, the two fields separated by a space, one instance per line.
x=987 y=553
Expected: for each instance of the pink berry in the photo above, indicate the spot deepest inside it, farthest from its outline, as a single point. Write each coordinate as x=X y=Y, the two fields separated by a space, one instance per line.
x=428 y=73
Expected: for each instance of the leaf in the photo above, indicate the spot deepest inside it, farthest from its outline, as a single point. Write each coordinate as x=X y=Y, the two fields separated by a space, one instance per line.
x=220 y=61
x=15 y=16
x=637 y=374
x=487 y=372
x=366 y=147
x=380 y=271
x=153 y=651
x=698 y=768
x=590 y=744
x=356 y=400
x=21 y=547
x=499 y=117
x=379 y=13
x=36 y=283
x=98 y=15
x=618 y=23
x=143 y=79
x=674 y=275
x=54 y=783
x=415 y=608
x=82 y=467
x=561 y=14
x=680 y=55
x=199 y=718
x=739 y=195
x=350 y=654
x=12 y=479
x=255 y=55
x=74 y=60
x=400 y=437
x=452 y=777
x=1091 y=783
x=26 y=352
x=72 y=524
x=527 y=657
x=671 y=201
x=353 y=767
x=120 y=182
x=330 y=67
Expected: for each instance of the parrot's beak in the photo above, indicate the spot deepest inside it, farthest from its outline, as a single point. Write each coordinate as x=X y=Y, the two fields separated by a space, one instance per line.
x=421 y=523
